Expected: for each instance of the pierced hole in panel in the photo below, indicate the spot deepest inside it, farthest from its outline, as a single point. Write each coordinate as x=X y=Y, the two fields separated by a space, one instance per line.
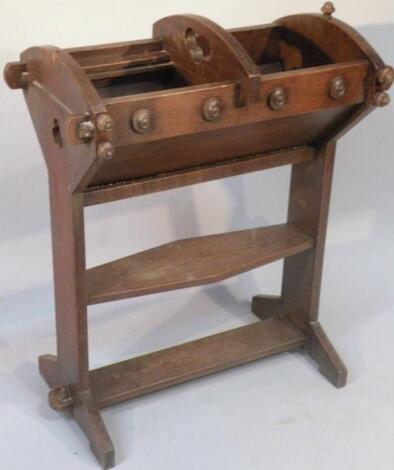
x=198 y=46
x=56 y=134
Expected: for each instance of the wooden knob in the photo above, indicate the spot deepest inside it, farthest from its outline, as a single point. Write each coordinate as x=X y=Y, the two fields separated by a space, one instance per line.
x=277 y=98
x=381 y=99
x=105 y=150
x=212 y=109
x=141 y=121
x=337 y=88
x=104 y=123
x=385 y=77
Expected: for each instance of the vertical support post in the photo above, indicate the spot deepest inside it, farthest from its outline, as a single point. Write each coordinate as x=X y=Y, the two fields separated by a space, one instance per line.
x=309 y=200
x=68 y=241
x=71 y=366
x=68 y=373
x=310 y=191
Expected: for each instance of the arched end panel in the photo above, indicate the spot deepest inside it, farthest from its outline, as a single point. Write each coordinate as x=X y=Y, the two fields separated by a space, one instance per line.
x=63 y=78
x=60 y=97
x=203 y=52
x=338 y=42
x=333 y=38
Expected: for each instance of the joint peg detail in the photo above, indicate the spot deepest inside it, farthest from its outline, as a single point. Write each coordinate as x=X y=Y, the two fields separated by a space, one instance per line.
x=385 y=77
x=381 y=99
x=105 y=123
x=337 y=88
x=105 y=150
x=86 y=130
x=60 y=399
x=212 y=109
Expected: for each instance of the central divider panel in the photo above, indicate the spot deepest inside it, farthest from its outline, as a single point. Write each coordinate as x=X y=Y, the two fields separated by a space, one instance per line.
x=193 y=262
x=129 y=379
x=204 y=52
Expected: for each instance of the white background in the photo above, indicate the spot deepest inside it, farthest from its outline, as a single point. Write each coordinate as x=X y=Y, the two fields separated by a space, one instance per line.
x=274 y=414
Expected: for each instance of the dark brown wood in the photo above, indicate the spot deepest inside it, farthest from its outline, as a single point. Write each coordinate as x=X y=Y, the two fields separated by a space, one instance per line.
x=15 y=75
x=193 y=104
x=177 y=179
x=50 y=371
x=193 y=262
x=176 y=111
x=171 y=144
x=130 y=62
x=308 y=209
x=336 y=40
x=104 y=77
x=322 y=351
x=215 y=146
x=129 y=379
x=267 y=306
x=69 y=167
x=204 y=53
x=88 y=417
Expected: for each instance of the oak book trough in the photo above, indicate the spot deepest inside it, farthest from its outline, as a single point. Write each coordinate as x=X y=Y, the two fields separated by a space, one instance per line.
x=193 y=104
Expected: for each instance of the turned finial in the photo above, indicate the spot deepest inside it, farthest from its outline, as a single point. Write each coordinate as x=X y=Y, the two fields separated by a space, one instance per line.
x=328 y=9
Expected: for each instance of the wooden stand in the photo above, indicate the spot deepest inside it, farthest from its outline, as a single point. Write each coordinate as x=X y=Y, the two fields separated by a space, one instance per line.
x=194 y=103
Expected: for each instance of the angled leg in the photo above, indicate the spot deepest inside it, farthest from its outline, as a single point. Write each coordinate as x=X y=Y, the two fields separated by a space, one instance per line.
x=322 y=351
x=89 y=418
x=49 y=369
x=84 y=410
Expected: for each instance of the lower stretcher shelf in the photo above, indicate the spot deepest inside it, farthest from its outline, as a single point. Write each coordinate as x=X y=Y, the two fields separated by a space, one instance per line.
x=193 y=262
x=125 y=380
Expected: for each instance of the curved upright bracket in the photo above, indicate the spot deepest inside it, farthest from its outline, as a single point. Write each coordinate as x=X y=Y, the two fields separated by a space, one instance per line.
x=58 y=109
x=203 y=52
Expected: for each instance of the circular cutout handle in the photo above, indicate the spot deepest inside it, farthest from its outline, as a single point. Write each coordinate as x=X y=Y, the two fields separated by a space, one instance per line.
x=197 y=45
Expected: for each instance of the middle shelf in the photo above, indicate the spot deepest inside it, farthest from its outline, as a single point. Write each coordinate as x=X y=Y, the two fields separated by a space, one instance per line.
x=192 y=262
